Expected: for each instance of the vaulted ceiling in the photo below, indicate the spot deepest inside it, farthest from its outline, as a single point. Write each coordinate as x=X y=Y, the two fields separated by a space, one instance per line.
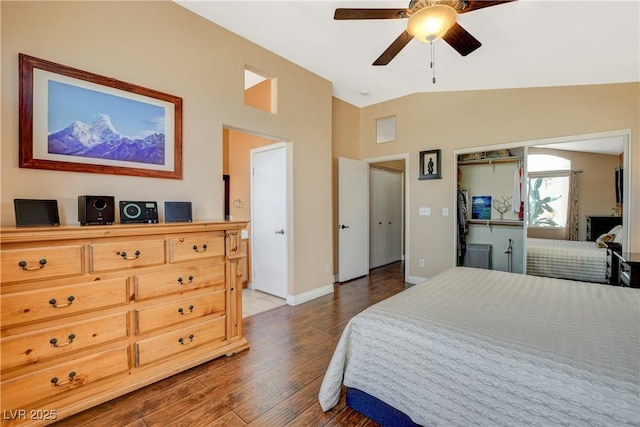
x=525 y=43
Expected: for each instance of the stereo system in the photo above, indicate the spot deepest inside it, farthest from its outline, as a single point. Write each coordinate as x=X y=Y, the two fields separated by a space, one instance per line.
x=99 y=210
x=96 y=210
x=138 y=212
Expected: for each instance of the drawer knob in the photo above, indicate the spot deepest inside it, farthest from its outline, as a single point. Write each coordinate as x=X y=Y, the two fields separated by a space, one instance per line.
x=23 y=264
x=70 y=338
x=183 y=342
x=182 y=312
x=56 y=382
x=204 y=248
x=181 y=281
x=123 y=254
x=54 y=302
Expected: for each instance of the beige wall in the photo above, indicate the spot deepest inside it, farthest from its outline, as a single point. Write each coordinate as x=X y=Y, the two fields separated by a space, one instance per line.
x=259 y=96
x=458 y=120
x=162 y=46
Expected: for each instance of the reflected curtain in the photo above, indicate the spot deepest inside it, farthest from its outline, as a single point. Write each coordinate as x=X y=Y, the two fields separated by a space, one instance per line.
x=571 y=227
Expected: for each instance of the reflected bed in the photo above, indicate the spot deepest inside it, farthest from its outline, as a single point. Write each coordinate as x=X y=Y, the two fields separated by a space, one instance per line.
x=567 y=259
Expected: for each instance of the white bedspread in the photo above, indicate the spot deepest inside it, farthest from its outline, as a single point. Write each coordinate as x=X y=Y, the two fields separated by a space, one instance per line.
x=567 y=259
x=479 y=347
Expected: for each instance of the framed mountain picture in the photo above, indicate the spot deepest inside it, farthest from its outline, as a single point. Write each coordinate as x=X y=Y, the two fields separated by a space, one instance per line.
x=73 y=120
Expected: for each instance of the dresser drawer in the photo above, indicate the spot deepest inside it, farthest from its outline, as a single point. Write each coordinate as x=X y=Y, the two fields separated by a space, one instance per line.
x=180 y=310
x=180 y=340
x=41 y=263
x=115 y=256
x=625 y=274
x=196 y=246
x=42 y=304
x=179 y=280
x=34 y=347
x=45 y=383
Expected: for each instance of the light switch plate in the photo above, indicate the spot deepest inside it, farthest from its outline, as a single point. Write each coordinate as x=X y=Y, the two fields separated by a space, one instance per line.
x=424 y=211
x=445 y=211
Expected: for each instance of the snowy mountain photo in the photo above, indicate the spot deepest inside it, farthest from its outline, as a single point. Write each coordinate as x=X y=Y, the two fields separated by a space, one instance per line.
x=100 y=139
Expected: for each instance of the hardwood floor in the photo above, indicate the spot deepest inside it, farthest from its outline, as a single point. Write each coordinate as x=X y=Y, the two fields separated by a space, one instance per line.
x=274 y=383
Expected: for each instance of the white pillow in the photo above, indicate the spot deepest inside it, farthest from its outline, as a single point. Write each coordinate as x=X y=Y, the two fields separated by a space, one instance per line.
x=616 y=230
x=619 y=236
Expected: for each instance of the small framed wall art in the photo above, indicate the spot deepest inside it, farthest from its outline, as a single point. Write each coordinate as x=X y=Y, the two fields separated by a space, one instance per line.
x=430 y=165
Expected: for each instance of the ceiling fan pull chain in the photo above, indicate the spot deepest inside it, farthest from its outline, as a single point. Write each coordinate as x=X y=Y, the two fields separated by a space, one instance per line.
x=433 y=62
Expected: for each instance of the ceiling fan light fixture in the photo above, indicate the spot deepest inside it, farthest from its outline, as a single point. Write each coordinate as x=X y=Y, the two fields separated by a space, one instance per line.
x=431 y=23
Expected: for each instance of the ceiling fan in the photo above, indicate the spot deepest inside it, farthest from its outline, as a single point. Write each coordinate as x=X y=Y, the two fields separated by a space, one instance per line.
x=428 y=21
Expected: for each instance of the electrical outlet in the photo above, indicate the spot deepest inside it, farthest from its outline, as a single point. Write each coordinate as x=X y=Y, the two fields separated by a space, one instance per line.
x=421 y=262
x=445 y=211
x=326 y=269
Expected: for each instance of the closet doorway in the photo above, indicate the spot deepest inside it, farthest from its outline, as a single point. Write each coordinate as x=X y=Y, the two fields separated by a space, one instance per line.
x=360 y=247
x=385 y=213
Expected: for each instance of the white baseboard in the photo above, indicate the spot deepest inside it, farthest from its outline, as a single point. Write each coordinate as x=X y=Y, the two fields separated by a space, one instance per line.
x=311 y=295
x=415 y=280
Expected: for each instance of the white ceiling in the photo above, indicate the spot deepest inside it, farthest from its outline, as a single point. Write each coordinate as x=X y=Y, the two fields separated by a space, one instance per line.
x=526 y=43
x=612 y=145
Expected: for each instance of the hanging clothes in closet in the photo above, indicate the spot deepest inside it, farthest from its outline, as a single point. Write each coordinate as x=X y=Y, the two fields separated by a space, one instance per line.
x=517 y=204
x=463 y=223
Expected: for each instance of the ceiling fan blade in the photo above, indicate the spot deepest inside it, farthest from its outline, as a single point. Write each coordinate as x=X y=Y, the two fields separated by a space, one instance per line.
x=461 y=40
x=341 y=14
x=480 y=4
x=394 y=48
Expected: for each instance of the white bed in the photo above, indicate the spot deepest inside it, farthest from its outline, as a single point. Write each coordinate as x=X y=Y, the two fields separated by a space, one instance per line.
x=480 y=347
x=567 y=259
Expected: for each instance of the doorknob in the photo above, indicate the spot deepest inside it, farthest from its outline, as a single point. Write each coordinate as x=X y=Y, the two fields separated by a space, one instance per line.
x=343 y=226
x=280 y=231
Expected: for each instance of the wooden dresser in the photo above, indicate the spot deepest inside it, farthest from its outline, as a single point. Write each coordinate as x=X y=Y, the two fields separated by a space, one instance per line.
x=91 y=313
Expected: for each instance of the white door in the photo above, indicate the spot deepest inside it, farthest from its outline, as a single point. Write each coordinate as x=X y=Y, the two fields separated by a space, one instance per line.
x=353 y=219
x=385 y=240
x=393 y=235
x=269 y=219
x=377 y=218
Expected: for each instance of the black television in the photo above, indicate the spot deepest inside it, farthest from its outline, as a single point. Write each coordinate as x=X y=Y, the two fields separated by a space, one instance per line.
x=619 y=187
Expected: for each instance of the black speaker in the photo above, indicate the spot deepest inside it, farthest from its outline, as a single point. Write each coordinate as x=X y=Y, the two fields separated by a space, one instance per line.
x=177 y=212
x=96 y=210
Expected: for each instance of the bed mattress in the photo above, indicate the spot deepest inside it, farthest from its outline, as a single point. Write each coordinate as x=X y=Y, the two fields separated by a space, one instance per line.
x=480 y=347
x=566 y=259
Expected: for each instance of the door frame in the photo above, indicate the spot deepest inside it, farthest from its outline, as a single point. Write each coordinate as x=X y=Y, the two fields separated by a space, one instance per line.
x=288 y=256
x=406 y=237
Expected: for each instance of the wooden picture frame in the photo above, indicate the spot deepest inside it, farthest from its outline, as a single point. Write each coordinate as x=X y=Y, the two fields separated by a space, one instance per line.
x=430 y=165
x=75 y=121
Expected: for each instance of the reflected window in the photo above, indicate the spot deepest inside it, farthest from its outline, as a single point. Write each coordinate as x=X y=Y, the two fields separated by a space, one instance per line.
x=547 y=162
x=548 y=178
